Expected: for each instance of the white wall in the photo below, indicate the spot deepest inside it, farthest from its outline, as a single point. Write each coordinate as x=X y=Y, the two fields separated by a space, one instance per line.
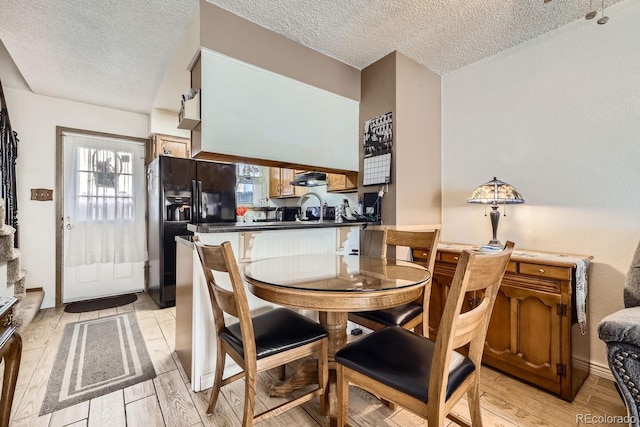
x=35 y=118
x=166 y=122
x=559 y=118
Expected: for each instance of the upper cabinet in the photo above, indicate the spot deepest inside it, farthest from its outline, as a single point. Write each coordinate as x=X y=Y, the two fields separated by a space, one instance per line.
x=249 y=112
x=342 y=183
x=280 y=184
x=170 y=146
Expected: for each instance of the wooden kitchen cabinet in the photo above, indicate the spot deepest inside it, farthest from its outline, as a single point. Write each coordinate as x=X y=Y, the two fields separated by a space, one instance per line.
x=534 y=333
x=342 y=183
x=170 y=146
x=280 y=183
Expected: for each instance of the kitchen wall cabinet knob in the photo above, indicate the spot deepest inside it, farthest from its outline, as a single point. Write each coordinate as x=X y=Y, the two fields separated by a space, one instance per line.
x=455 y=258
x=541 y=271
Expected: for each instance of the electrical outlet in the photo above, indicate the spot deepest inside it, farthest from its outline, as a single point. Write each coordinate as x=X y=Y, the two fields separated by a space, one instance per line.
x=41 y=194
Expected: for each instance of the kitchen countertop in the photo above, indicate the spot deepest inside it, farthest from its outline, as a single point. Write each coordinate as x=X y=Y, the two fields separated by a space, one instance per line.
x=275 y=225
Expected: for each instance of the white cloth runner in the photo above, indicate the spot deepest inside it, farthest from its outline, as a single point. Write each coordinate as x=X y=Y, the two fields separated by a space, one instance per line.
x=581 y=264
x=581 y=293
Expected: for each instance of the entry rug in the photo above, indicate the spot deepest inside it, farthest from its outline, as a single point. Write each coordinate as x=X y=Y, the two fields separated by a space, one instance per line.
x=97 y=357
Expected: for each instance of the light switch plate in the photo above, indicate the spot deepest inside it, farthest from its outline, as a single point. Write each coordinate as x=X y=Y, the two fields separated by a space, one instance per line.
x=41 y=194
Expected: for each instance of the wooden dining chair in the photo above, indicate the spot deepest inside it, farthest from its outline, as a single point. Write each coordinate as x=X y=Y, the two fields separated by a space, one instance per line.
x=423 y=376
x=256 y=344
x=414 y=315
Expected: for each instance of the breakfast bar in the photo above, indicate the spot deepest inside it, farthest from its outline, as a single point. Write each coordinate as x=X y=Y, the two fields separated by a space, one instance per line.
x=195 y=334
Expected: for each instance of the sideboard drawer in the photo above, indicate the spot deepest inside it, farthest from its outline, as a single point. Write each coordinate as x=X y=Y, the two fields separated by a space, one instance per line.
x=448 y=257
x=420 y=254
x=561 y=273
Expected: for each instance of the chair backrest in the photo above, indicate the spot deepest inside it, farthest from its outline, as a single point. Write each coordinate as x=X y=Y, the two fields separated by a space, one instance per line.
x=632 y=282
x=476 y=271
x=424 y=239
x=220 y=258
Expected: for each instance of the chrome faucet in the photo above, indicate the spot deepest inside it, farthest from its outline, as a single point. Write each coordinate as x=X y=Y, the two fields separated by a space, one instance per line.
x=306 y=196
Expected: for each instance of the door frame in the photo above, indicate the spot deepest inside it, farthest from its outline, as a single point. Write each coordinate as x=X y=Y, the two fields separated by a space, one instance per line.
x=59 y=199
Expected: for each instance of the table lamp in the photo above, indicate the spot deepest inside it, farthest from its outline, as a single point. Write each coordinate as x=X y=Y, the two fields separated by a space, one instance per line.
x=495 y=192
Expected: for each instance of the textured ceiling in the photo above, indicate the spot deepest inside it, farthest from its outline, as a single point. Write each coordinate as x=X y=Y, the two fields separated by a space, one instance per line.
x=111 y=52
x=443 y=35
x=115 y=52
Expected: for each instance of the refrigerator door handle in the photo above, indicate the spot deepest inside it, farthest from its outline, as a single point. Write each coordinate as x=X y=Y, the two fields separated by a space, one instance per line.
x=201 y=213
x=195 y=203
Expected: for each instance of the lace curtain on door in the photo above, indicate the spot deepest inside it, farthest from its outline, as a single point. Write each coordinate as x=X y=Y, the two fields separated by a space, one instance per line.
x=104 y=200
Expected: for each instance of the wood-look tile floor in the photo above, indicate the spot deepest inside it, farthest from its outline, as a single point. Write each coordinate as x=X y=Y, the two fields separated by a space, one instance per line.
x=168 y=400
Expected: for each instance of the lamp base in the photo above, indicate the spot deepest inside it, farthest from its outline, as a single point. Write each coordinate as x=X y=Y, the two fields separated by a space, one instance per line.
x=495 y=243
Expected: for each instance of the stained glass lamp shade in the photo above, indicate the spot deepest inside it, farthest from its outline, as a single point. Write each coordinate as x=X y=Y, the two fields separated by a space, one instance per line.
x=495 y=192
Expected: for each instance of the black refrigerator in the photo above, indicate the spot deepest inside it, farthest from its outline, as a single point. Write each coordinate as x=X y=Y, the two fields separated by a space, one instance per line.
x=182 y=191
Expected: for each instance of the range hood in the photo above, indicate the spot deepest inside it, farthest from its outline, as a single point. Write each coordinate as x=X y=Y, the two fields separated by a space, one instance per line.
x=310 y=179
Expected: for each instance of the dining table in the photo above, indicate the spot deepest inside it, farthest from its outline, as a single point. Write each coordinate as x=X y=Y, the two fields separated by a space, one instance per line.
x=333 y=285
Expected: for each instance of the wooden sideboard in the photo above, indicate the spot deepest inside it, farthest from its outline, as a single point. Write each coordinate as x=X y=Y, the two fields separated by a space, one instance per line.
x=10 y=352
x=534 y=333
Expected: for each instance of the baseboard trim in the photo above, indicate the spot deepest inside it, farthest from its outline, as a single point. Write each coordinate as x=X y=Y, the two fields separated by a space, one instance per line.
x=600 y=370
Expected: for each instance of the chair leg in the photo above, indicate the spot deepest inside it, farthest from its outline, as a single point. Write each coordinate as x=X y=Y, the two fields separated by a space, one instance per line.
x=323 y=377
x=418 y=330
x=217 y=380
x=473 y=397
x=435 y=414
x=342 y=387
x=282 y=372
x=249 y=396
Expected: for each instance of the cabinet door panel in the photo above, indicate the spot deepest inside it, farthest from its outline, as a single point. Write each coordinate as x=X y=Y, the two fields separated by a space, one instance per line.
x=286 y=176
x=499 y=332
x=525 y=331
x=274 y=182
x=335 y=182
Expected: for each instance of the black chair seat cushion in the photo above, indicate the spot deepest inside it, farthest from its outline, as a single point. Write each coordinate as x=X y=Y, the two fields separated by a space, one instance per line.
x=394 y=316
x=402 y=360
x=276 y=331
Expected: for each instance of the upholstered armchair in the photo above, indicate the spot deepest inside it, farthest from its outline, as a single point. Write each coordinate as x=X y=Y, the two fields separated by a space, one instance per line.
x=621 y=332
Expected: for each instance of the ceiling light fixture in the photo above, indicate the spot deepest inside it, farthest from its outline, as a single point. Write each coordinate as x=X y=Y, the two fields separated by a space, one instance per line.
x=604 y=19
x=592 y=13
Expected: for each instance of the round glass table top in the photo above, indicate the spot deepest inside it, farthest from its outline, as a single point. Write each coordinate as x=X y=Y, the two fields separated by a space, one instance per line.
x=336 y=273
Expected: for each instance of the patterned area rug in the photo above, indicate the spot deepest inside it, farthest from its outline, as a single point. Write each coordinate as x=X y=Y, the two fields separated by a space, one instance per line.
x=97 y=357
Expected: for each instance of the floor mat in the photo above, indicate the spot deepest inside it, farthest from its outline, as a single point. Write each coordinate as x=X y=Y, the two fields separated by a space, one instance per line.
x=100 y=303
x=96 y=357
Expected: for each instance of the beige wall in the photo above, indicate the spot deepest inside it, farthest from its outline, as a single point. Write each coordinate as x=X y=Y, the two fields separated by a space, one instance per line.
x=378 y=97
x=398 y=84
x=418 y=150
x=166 y=122
x=35 y=118
x=239 y=38
x=557 y=117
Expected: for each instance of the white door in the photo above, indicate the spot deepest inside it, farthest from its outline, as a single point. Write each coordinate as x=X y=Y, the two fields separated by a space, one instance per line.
x=104 y=239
